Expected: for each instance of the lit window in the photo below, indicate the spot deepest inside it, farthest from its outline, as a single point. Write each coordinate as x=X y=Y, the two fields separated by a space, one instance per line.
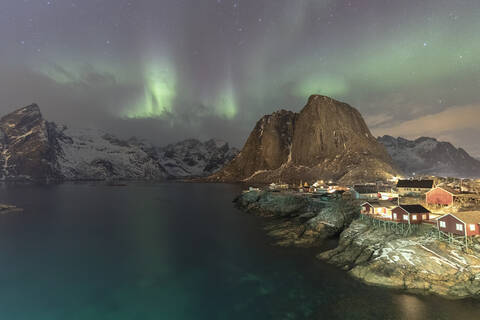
x=459 y=227
x=395 y=216
x=443 y=224
x=472 y=227
x=414 y=217
x=424 y=217
x=405 y=217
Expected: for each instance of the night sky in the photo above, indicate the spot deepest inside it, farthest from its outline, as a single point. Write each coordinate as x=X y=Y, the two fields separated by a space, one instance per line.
x=172 y=69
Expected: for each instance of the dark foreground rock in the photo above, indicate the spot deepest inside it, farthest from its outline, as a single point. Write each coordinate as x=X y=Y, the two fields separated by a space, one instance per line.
x=296 y=219
x=418 y=263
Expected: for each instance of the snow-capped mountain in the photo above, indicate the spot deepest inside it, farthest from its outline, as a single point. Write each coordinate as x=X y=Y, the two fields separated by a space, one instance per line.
x=194 y=158
x=33 y=149
x=94 y=154
x=430 y=156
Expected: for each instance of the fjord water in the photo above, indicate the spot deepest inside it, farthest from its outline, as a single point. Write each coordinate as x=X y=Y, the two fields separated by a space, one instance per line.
x=173 y=251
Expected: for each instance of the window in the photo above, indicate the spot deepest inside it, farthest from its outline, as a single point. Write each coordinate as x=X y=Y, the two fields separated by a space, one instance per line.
x=424 y=217
x=443 y=224
x=405 y=217
x=395 y=216
x=472 y=227
x=459 y=227
x=414 y=217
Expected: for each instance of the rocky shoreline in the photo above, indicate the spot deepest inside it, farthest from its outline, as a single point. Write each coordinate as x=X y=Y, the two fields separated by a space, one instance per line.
x=418 y=263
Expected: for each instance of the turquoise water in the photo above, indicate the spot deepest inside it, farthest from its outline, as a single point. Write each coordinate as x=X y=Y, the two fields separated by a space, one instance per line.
x=173 y=251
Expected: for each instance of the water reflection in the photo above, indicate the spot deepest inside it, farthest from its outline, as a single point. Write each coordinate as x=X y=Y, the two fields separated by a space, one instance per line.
x=410 y=307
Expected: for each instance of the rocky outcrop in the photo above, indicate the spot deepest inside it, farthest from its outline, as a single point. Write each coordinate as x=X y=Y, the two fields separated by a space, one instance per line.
x=27 y=149
x=418 y=263
x=193 y=158
x=430 y=156
x=328 y=139
x=296 y=220
x=371 y=253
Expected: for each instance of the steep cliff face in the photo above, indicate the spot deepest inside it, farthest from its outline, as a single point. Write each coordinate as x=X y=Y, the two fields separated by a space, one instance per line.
x=266 y=149
x=328 y=139
x=430 y=156
x=27 y=152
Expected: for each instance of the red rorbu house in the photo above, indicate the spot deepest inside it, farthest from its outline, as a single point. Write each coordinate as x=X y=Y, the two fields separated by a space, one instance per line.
x=381 y=208
x=443 y=196
x=410 y=213
x=460 y=223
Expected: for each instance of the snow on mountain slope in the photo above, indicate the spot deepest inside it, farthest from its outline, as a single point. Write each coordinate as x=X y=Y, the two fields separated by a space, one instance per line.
x=33 y=149
x=430 y=156
x=94 y=154
x=194 y=158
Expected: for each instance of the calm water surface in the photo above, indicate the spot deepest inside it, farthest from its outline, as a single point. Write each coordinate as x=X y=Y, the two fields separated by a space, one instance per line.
x=173 y=251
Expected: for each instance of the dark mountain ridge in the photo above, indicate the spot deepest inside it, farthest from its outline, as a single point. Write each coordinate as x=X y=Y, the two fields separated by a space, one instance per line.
x=427 y=155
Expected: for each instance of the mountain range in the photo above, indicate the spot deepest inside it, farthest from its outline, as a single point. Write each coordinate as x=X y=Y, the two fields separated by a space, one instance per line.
x=327 y=139
x=32 y=148
x=428 y=156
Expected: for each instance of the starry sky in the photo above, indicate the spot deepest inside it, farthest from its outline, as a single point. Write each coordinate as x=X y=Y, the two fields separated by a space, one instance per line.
x=166 y=70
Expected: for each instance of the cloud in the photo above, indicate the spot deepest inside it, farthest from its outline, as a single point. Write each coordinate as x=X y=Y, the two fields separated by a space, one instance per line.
x=458 y=125
x=452 y=119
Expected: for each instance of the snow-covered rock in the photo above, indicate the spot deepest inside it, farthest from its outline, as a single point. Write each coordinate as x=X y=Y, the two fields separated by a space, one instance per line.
x=419 y=262
x=192 y=157
x=430 y=156
x=94 y=154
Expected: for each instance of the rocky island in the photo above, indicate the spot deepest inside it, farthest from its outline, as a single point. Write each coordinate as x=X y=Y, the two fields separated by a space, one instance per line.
x=418 y=262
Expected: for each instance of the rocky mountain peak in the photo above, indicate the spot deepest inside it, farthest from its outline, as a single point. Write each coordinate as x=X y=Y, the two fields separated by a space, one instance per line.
x=327 y=139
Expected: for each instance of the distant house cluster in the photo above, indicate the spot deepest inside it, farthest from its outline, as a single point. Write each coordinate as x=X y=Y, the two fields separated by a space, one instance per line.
x=404 y=202
x=436 y=209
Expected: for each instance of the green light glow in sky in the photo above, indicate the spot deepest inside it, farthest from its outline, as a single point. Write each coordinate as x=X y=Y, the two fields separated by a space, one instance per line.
x=330 y=85
x=225 y=104
x=159 y=93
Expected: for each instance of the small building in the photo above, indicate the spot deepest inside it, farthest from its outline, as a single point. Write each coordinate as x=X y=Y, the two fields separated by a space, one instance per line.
x=381 y=208
x=410 y=213
x=417 y=187
x=460 y=223
x=278 y=186
x=365 y=191
x=443 y=196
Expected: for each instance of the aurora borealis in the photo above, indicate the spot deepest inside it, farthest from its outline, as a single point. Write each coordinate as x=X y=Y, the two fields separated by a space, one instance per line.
x=175 y=69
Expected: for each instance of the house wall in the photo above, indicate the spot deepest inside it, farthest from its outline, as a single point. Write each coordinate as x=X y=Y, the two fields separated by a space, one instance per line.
x=472 y=233
x=400 y=212
x=403 y=191
x=450 y=227
x=367 y=208
x=439 y=197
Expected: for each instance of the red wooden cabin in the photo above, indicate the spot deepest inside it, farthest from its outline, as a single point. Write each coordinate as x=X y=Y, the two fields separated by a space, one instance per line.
x=460 y=223
x=443 y=196
x=410 y=213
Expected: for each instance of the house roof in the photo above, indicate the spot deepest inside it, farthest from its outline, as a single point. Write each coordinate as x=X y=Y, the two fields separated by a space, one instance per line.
x=414 y=208
x=361 y=188
x=424 y=184
x=448 y=189
x=381 y=204
x=472 y=217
